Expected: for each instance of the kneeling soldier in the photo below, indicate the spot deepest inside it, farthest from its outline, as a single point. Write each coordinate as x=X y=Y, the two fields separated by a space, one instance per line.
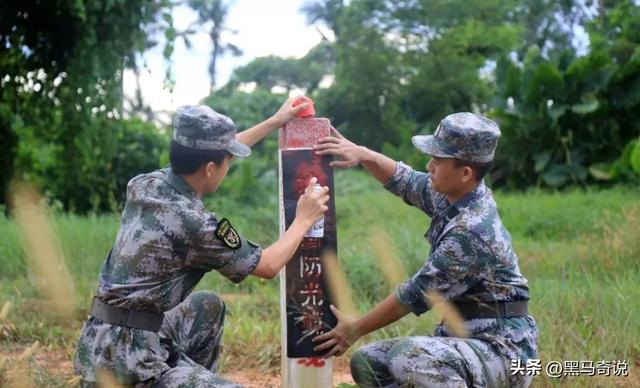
x=146 y=328
x=471 y=264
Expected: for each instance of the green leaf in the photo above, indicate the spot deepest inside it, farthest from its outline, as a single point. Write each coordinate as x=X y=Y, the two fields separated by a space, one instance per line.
x=541 y=160
x=601 y=171
x=557 y=175
x=556 y=111
x=589 y=104
x=625 y=159
x=635 y=157
x=579 y=172
x=546 y=83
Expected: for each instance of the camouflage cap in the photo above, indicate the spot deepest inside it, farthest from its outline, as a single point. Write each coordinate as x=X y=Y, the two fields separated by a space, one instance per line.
x=466 y=136
x=202 y=128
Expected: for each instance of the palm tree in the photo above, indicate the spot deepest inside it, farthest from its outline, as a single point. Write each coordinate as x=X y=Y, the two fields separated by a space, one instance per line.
x=214 y=12
x=327 y=11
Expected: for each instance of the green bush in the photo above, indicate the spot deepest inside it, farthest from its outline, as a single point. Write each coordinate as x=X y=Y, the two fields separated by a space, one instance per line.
x=91 y=174
x=567 y=119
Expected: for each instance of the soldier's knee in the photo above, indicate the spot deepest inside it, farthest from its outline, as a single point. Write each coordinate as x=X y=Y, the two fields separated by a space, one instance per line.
x=360 y=366
x=189 y=376
x=401 y=356
x=207 y=301
x=357 y=364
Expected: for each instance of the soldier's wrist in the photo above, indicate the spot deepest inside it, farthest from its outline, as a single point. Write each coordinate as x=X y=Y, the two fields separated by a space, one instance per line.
x=304 y=223
x=365 y=154
x=275 y=122
x=358 y=329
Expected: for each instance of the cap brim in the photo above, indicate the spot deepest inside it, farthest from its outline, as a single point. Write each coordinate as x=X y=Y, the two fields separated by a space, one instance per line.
x=238 y=149
x=428 y=144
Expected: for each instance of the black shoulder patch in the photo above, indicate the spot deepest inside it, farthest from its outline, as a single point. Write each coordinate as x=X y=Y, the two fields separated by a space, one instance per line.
x=227 y=234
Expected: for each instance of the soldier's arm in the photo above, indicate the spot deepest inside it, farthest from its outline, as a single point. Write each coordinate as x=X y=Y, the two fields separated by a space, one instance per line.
x=383 y=314
x=450 y=271
x=310 y=207
x=413 y=187
x=348 y=330
x=378 y=165
x=217 y=245
x=278 y=254
x=256 y=133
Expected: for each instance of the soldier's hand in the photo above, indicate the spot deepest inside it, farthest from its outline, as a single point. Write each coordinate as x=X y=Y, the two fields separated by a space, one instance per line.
x=312 y=204
x=287 y=111
x=340 y=338
x=350 y=154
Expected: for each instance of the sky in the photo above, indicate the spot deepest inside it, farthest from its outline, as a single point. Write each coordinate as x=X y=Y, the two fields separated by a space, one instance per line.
x=274 y=27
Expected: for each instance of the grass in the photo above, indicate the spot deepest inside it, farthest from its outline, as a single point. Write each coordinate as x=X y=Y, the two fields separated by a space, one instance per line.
x=579 y=250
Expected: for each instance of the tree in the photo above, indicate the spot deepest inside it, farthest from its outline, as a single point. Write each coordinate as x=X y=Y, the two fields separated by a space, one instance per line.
x=327 y=11
x=289 y=73
x=550 y=24
x=571 y=119
x=214 y=13
x=61 y=65
x=402 y=66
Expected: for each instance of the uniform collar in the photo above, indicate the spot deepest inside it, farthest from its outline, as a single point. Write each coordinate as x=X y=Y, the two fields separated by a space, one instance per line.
x=442 y=218
x=478 y=192
x=472 y=196
x=178 y=183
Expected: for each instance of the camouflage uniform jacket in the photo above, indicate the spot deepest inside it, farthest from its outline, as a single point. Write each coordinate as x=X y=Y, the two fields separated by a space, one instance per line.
x=471 y=259
x=167 y=241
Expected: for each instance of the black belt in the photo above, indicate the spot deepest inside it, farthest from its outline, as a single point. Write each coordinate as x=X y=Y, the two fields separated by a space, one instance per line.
x=123 y=317
x=471 y=310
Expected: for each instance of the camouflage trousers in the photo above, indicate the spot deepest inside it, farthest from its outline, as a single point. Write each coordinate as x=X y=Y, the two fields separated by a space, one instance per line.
x=191 y=332
x=429 y=362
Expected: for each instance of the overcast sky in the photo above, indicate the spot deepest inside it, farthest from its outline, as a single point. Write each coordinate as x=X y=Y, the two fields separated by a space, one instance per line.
x=274 y=27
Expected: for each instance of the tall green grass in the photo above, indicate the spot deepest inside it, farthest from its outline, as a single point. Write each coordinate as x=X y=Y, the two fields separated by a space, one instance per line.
x=579 y=250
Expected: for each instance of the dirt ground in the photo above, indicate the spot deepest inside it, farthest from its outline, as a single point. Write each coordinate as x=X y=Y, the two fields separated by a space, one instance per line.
x=57 y=365
x=54 y=368
x=255 y=378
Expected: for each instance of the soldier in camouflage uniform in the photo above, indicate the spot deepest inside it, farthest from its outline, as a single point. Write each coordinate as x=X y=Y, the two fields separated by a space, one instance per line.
x=471 y=264
x=145 y=328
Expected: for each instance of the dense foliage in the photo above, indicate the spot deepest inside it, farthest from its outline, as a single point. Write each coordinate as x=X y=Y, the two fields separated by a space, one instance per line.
x=61 y=66
x=568 y=119
x=562 y=78
x=566 y=101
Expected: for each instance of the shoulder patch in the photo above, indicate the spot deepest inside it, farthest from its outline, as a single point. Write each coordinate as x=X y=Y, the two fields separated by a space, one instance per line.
x=227 y=234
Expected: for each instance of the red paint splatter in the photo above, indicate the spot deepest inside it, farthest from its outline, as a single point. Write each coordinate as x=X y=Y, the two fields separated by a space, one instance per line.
x=306 y=171
x=304 y=133
x=315 y=362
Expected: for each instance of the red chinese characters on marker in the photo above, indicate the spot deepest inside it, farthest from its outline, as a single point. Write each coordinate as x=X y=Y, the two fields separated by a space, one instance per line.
x=313 y=293
x=310 y=267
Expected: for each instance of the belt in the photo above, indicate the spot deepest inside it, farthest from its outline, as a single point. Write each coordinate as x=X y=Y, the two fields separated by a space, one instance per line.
x=471 y=310
x=124 y=317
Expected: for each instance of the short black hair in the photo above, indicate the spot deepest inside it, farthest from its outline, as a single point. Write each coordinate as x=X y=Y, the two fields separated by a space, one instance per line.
x=479 y=169
x=185 y=160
